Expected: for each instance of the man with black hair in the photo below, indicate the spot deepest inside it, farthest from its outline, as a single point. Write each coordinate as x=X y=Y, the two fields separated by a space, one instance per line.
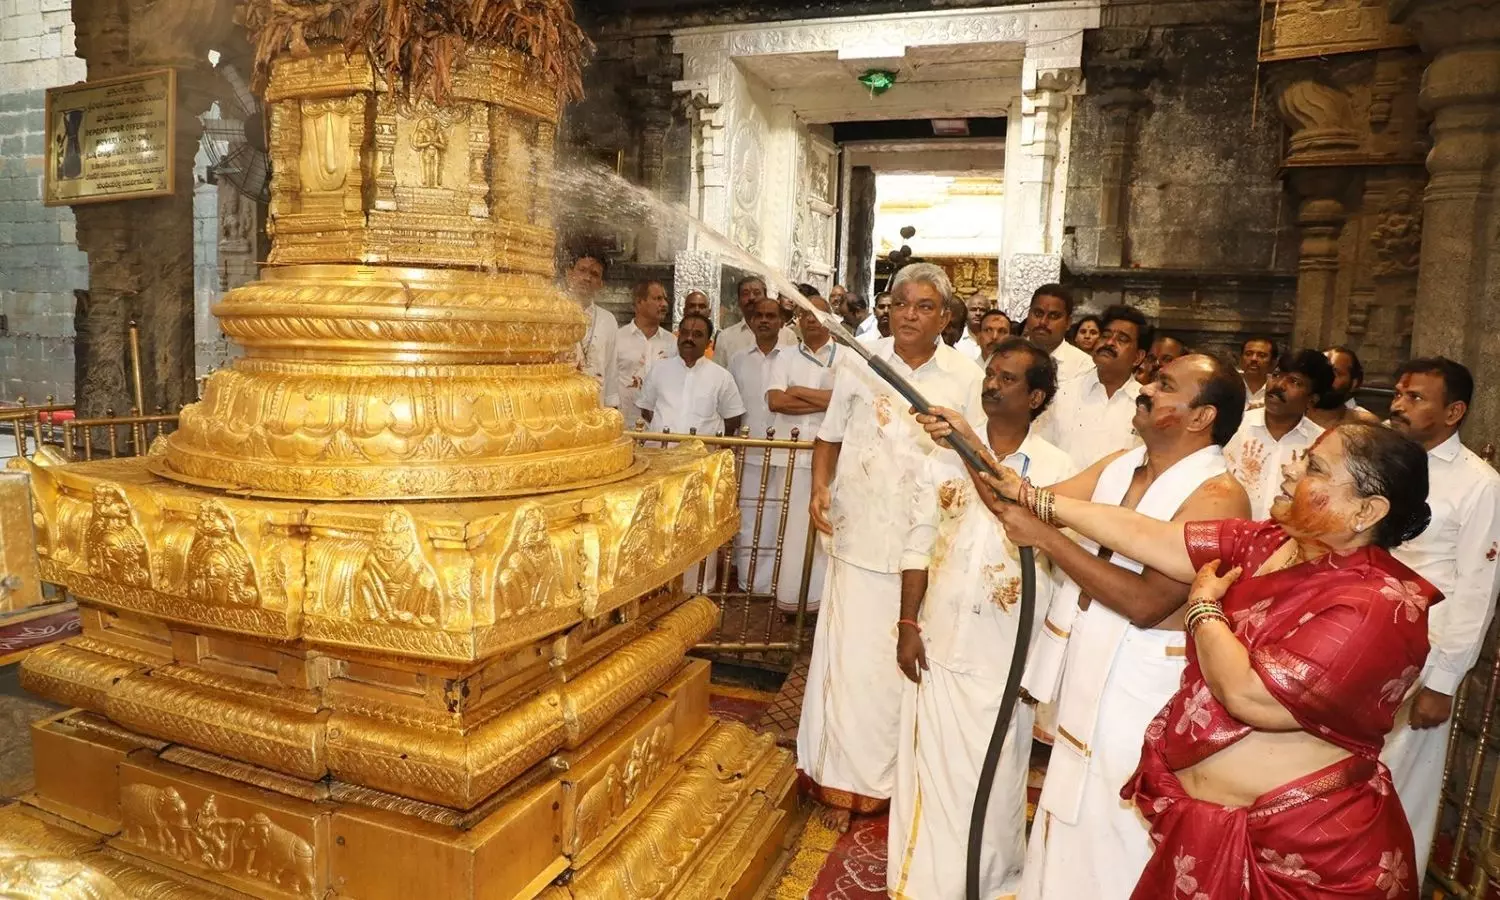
x=1163 y=350
x=960 y=587
x=1047 y=325
x=878 y=325
x=1111 y=649
x=687 y=393
x=1257 y=356
x=640 y=344
x=994 y=327
x=857 y=314
x=953 y=335
x=1280 y=432
x=1337 y=406
x=1091 y=416
x=1458 y=555
x=975 y=307
x=737 y=337
x=595 y=354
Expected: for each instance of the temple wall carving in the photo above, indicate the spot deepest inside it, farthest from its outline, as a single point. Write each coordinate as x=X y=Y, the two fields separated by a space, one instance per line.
x=1344 y=82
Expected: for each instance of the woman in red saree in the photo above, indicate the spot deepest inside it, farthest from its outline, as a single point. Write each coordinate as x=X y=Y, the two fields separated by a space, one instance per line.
x=1261 y=778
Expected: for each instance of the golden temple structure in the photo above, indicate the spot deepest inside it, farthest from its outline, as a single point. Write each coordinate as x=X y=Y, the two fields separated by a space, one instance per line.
x=397 y=612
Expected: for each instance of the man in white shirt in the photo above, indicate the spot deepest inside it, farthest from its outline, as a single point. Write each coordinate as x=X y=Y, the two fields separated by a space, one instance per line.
x=755 y=547
x=1047 y=326
x=1111 y=651
x=878 y=325
x=798 y=392
x=1163 y=350
x=838 y=296
x=865 y=461
x=970 y=345
x=1257 y=355
x=1278 y=433
x=1457 y=554
x=960 y=595
x=738 y=336
x=640 y=344
x=1091 y=417
x=595 y=354
x=1337 y=406
x=687 y=393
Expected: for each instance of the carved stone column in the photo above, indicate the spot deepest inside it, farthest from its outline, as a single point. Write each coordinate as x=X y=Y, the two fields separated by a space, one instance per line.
x=1322 y=211
x=1033 y=171
x=1120 y=88
x=1345 y=81
x=141 y=251
x=1459 y=283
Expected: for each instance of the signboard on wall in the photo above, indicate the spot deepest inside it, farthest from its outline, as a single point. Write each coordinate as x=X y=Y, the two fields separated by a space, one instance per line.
x=110 y=139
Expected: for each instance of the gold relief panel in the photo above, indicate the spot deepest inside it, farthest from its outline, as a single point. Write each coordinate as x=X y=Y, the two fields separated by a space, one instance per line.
x=223 y=832
x=172 y=554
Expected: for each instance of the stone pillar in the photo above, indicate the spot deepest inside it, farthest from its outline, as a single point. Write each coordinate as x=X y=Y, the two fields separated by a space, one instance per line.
x=859 y=268
x=1034 y=170
x=141 y=251
x=1458 y=286
x=1322 y=210
x=1120 y=88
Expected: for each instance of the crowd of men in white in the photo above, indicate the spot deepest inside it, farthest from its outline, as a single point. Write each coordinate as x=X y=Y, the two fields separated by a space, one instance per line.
x=917 y=583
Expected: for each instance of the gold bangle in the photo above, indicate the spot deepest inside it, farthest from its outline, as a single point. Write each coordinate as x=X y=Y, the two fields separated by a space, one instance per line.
x=1205 y=615
x=1198 y=610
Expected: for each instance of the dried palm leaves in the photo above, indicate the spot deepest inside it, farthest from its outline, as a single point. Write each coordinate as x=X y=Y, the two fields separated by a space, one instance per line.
x=417 y=44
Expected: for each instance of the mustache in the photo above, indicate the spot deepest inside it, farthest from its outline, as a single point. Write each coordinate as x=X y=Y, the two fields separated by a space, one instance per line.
x=1105 y=349
x=1278 y=393
x=1397 y=417
x=1143 y=403
x=991 y=396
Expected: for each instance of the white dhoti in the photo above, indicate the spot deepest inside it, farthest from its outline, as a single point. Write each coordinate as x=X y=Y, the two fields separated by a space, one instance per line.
x=851 y=713
x=1416 y=758
x=948 y=719
x=788 y=575
x=1099 y=849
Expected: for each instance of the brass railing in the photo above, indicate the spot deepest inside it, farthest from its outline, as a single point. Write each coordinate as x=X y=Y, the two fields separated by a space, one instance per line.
x=751 y=626
x=78 y=435
x=31 y=426
x=1466 y=860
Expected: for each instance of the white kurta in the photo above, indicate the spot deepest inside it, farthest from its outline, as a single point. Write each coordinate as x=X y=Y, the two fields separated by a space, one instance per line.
x=866 y=326
x=683 y=399
x=1109 y=679
x=799 y=367
x=1256 y=458
x=761 y=485
x=846 y=742
x=1071 y=362
x=1458 y=555
x=1087 y=423
x=737 y=338
x=634 y=355
x=969 y=347
x=969 y=619
x=1255 y=399
x=596 y=353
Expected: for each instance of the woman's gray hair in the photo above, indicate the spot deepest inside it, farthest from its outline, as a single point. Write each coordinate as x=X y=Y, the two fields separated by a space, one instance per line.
x=927 y=273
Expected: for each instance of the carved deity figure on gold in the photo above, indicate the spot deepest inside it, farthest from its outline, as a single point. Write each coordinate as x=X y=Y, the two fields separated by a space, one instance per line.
x=396 y=584
x=219 y=570
x=278 y=856
x=529 y=574
x=114 y=547
x=215 y=836
x=430 y=143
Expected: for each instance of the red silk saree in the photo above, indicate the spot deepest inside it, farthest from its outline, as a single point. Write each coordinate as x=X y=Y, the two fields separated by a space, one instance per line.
x=1338 y=641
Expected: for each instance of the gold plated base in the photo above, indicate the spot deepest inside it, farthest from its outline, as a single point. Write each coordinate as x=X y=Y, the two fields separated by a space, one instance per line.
x=667 y=804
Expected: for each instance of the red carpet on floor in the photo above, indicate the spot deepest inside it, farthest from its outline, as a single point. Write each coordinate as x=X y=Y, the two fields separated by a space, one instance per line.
x=26 y=635
x=855 y=868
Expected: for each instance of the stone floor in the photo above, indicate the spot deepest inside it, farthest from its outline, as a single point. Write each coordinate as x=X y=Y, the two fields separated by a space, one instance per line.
x=18 y=710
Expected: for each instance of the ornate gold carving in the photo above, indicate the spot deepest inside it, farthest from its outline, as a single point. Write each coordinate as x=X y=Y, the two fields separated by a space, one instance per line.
x=397 y=584
x=622 y=784
x=530 y=567
x=219 y=571
x=326 y=153
x=158 y=818
x=1320 y=115
x=115 y=547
